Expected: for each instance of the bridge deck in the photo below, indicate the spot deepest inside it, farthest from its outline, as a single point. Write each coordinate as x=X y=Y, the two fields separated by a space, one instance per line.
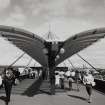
x=61 y=97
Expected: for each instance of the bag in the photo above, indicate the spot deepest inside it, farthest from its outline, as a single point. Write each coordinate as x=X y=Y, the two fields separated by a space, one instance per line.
x=93 y=83
x=17 y=81
x=70 y=79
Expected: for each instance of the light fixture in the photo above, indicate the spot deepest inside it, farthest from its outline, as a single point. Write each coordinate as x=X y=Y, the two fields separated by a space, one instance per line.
x=62 y=51
x=45 y=51
x=57 y=57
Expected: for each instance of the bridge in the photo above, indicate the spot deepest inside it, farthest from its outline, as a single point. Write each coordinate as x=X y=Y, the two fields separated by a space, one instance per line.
x=49 y=54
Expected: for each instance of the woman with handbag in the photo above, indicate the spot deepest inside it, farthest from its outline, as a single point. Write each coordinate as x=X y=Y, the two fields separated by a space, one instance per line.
x=88 y=81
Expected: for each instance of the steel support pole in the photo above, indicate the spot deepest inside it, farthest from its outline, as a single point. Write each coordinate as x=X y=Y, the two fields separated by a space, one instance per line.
x=52 y=72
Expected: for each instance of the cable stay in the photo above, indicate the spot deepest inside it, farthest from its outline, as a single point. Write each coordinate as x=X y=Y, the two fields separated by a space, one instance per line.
x=51 y=36
x=71 y=63
x=86 y=61
x=16 y=60
x=64 y=64
x=34 y=64
x=28 y=63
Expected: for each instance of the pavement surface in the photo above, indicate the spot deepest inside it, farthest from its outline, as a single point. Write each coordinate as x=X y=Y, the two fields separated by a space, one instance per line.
x=43 y=97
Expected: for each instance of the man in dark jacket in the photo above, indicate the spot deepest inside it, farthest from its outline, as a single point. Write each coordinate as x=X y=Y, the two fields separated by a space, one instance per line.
x=8 y=78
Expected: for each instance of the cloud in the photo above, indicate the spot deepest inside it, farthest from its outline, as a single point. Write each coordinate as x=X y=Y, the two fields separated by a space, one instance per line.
x=4 y=4
x=91 y=10
x=66 y=17
x=15 y=18
x=41 y=11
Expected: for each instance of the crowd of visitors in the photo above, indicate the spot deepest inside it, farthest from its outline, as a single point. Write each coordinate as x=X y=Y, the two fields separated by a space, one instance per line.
x=12 y=76
x=65 y=80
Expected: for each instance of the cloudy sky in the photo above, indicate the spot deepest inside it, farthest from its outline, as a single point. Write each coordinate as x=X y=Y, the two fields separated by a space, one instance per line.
x=66 y=18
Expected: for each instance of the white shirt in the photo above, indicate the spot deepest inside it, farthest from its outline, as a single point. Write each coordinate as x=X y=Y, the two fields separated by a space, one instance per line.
x=73 y=74
x=68 y=73
x=57 y=80
x=61 y=74
x=0 y=80
x=88 y=79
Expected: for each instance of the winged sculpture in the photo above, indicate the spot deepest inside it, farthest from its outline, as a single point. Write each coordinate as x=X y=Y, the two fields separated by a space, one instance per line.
x=33 y=45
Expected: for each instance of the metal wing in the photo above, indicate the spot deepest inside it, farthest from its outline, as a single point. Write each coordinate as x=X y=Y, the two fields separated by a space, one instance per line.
x=30 y=43
x=80 y=41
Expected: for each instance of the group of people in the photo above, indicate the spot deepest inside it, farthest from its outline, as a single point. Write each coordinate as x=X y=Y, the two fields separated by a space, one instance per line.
x=62 y=78
x=9 y=76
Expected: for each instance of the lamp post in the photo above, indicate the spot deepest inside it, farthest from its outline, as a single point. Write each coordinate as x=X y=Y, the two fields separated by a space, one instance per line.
x=52 y=51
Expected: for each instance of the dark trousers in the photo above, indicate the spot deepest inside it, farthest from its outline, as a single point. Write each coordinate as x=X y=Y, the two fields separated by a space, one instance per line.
x=89 y=89
x=8 y=88
x=62 y=83
x=70 y=85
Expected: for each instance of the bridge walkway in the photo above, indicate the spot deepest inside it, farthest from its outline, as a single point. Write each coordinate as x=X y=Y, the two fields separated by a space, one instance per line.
x=62 y=97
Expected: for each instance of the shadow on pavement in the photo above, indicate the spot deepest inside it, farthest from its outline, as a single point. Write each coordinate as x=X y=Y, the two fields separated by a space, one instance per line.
x=44 y=92
x=78 y=97
x=3 y=98
x=34 y=88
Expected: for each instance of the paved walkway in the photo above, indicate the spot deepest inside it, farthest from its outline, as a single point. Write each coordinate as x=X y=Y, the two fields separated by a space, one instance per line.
x=19 y=89
x=61 y=98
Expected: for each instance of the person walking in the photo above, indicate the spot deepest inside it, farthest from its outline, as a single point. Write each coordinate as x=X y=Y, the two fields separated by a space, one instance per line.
x=69 y=79
x=88 y=81
x=16 y=77
x=1 y=81
x=61 y=74
x=77 y=79
x=57 y=80
x=8 y=79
